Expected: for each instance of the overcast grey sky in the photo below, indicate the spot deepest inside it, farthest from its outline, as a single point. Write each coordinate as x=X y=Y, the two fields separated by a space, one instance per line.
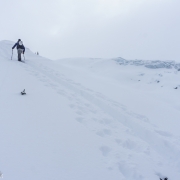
x=132 y=29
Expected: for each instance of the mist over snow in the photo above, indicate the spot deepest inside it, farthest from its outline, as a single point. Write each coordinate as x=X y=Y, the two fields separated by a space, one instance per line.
x=88 y=118
x=133 y=29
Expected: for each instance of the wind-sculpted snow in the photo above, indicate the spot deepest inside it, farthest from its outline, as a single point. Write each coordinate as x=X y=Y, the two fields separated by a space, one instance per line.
x=149 y=64
x=84 y=119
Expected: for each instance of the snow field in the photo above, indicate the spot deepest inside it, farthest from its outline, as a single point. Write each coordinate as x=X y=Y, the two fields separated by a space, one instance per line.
x=87 y=119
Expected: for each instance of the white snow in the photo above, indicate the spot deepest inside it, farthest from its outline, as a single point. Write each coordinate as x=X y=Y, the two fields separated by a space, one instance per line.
x=88 y=119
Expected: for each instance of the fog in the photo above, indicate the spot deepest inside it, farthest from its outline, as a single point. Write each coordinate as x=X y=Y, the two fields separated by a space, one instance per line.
x=141 y=29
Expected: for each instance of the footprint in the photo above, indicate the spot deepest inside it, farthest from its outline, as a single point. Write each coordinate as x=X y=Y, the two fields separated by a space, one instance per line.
x=105 y=150
x=72 y=106
x=104 y=132
x=80 y=119
x=118 y=141
x=163 y=133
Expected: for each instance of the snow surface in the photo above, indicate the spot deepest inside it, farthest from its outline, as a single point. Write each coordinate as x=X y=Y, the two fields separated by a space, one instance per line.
x=88 y=119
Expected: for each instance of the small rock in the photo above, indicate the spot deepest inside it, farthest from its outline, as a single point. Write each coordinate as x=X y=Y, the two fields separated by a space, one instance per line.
x=23 y=92
x=164 y=179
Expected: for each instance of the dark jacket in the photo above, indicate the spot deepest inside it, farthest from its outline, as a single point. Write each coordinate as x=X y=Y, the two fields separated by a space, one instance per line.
x=19 y=46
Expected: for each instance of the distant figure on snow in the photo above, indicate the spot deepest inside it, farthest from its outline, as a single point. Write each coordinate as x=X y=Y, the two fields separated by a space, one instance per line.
x=20 y=48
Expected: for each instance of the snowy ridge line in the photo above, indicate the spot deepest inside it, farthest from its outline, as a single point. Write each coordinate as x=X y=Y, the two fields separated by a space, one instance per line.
x=161 y=146
x=154 y=64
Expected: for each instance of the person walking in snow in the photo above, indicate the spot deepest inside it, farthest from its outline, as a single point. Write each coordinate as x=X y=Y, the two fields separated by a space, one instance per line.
x=20 y=48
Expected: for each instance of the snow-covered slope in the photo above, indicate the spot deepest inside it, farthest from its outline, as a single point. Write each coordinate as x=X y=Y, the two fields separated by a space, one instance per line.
x=85 y=119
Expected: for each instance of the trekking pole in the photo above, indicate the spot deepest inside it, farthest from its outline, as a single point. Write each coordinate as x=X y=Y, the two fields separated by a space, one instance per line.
x=24 y=57
x=12 y=54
